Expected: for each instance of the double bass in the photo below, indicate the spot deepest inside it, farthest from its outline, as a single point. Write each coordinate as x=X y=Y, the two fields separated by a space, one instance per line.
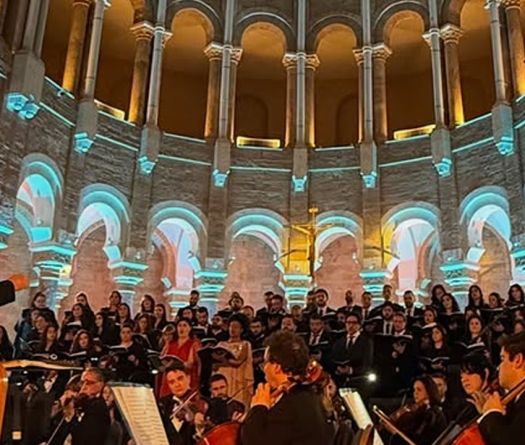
x=470 y=435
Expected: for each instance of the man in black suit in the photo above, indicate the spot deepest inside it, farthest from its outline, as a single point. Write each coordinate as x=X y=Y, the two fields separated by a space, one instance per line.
x=86 y=418
x=350 y=306
x=321 y=300
x=294 y=417
x=388 y=295
x=178 y=429
x=263 y=312
x=353 y=353
x=411 y=310
x=499 y=424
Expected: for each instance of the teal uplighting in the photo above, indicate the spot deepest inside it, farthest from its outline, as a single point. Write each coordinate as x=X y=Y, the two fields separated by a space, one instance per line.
x=146 y=165
x=219 y=178
x=299 y=183
x=83 y=143
x=369 y=179
x=22 y=105
x=444 y=167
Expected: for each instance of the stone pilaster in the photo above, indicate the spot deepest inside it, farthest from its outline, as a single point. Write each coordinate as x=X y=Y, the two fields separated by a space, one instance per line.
x=290 y=64
x=143 y=33
x=75 y=48
x=451 y=35
x=127 y=275
x=27 y=75
x=516 y=46
x=214 y=54
x=87 y=117
x=381 y=53
x=459 y=274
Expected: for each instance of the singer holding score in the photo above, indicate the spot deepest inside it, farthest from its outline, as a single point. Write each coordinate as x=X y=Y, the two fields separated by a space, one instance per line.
x=284 y=410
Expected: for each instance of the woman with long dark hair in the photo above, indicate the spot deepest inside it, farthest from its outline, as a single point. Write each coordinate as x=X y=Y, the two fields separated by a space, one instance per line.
x=184 y=346
x=516 y=296
x=475 y=299
x=425 y=421
x=89 y=315
x=123 y=314
x=105 y=331
x=49 y=343
x=161 y=318
x=436 y=295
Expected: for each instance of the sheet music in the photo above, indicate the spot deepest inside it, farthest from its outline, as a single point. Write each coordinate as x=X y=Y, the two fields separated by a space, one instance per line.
x=139 y=409
x=357 y=408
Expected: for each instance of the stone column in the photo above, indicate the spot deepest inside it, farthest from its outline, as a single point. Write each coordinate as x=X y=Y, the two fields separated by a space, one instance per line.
x=143 y=33
x=358 y=54
x=380 y=55
x=214 y=54
x=312 y=63
x=3 y=10
x=28 y=70
x=87 y=117
x=151 y=135
x=517 y=51
x=236 y=58
x=290 y=63
x=450 y=35
x=502 y=120
x=75 y=48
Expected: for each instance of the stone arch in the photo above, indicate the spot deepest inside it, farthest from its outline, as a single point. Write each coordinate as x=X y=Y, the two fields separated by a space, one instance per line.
x=102 y=204
x=337 y=224
x=179 y=230
x=350 y=21
x=486 y=205
x=409 y=231
x=211 y=21
x=387 y=18
x=451 y=11
x=251 y=17
x=39 y=196
x=266 y=225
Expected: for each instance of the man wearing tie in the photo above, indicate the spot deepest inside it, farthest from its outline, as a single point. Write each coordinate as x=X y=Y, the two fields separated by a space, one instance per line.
x=179 y=428
x=321 y=298
x=352 y=353
x=387 y=312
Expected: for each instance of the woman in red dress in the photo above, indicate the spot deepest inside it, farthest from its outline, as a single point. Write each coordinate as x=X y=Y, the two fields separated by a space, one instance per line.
x=185 y=347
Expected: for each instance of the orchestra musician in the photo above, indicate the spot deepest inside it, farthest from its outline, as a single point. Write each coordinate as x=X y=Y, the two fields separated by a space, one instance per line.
x=180 y=421
x=86 y=416
x=499 y=424
x=284 y=411
x=222 y=408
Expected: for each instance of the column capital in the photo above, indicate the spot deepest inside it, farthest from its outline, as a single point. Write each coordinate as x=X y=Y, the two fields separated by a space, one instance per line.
x=214 y=51
x=489 y=3
x=143 y=31
x=359 y=56
x=381 y=51
x=312 y=61
x=508 y=4
x=290 y=61
x=427 y=36
x=236 y=55
x=451 y=33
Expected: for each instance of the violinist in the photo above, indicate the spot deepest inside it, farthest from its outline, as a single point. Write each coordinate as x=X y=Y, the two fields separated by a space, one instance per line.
x=499 y=424
x=179 y=416
x=424 y=420
x=283 y=410
x=222 y=408
x=86 y=416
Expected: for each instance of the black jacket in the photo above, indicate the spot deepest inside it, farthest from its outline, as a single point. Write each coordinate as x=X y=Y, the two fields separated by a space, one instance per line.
x=185 y=435
x=91 y=427
x=499 y=429
x=359 y=355
x=296 y=419
x=7 y=292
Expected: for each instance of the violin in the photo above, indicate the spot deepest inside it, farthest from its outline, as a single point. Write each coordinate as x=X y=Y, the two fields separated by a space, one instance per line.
x=192 y=405
x=470 y=435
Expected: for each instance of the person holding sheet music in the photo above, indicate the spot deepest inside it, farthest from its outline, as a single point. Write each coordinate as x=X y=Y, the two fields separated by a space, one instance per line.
x=183 y=346
x=130 y=357
x=237 y=368
x=352 y=354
